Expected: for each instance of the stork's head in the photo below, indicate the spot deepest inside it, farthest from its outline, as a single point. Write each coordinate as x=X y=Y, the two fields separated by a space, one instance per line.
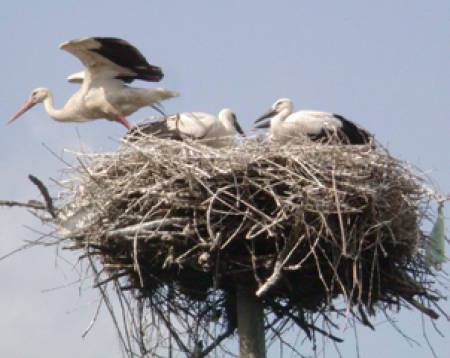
x=228 y=117
x=283 y=105
x=38 y=95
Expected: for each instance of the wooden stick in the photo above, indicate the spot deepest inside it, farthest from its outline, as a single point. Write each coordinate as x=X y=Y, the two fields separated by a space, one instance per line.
x=44 y=191
x=31 y=205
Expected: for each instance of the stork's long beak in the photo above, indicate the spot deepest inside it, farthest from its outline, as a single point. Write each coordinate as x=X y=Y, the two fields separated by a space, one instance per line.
x=25 y=107
x=263 y=125
x=270 y=113
x=238 y=128
x=236 y=124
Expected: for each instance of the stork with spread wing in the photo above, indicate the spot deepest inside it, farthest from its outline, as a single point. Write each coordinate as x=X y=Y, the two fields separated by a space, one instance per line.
x=110 y=63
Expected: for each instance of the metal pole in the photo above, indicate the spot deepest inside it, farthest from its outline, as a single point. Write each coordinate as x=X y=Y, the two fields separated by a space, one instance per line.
x=250 y=314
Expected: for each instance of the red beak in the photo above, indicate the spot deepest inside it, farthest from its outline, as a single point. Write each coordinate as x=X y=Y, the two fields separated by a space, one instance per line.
x=25 y=107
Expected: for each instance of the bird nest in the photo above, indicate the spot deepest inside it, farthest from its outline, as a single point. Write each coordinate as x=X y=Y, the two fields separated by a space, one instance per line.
x=309 y=228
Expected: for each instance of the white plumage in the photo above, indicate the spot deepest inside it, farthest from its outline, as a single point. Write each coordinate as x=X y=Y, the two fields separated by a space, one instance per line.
x=109 y=63
x=213 y=131
x=76 y=77
x=286 y=125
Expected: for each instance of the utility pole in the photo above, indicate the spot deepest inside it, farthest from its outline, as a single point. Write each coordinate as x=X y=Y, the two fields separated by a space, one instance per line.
x=250 y=314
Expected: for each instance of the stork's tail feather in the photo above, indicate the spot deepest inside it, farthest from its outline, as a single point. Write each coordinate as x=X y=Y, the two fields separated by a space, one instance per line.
x=166 y=94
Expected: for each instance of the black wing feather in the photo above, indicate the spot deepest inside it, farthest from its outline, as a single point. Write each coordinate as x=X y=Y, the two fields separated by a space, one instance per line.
x=126 y=55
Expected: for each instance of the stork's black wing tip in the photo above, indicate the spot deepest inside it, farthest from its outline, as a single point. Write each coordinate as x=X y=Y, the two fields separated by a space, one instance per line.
x=123 y=54
x=353 y=133
x=151 y=74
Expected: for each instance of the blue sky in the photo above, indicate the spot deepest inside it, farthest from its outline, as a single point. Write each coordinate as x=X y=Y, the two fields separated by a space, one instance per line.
x=384 y=64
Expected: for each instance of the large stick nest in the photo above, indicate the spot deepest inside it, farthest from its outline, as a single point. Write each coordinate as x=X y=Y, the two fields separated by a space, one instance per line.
x=300 y=224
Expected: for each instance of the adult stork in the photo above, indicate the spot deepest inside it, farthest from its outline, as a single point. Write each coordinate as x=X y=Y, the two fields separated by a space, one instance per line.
x=216 y=132
x=318 y=126
x=109 y=63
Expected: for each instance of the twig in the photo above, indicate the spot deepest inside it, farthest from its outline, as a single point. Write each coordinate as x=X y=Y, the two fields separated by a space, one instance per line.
x=94 y=319
x=218 y=340
x=31 y=205
x=45 y=194
x=135 y=229
x=428 y=311
x=339 y=214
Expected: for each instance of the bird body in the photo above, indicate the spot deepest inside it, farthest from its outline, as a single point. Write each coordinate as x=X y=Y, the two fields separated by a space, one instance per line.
x=286 y=125
x=109 y=64
x=210 y=130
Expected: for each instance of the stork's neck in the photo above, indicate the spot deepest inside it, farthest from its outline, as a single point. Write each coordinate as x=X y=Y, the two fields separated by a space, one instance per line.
x=280 y=116
x=57 y=114
x=227 y=123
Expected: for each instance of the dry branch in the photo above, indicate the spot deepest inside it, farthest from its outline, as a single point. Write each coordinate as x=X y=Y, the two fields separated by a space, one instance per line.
x=44 y=191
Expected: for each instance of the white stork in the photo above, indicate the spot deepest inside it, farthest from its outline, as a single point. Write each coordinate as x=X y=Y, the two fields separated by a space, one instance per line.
x=109 y=63
x=318 y=126
x=216 y=132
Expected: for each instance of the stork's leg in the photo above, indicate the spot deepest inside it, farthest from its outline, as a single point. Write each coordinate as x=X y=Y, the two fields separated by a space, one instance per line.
x=123 y=120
